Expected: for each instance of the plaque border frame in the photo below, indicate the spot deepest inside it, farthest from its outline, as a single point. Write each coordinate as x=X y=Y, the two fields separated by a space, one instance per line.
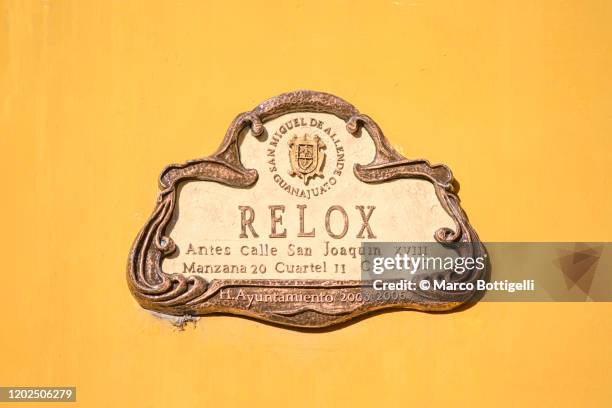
x=182 y=295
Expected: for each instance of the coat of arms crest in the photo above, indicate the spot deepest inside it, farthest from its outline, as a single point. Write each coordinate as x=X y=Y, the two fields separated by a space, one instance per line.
x=306 y=157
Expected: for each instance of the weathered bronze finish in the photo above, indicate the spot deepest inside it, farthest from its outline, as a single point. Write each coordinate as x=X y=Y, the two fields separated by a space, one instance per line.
x=179 y=295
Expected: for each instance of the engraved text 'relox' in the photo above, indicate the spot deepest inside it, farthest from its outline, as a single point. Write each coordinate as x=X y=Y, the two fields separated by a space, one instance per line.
x=278 y=231
x=274 y=224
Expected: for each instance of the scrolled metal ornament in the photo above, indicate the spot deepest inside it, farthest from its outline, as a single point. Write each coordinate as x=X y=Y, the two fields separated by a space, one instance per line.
x=180 y=294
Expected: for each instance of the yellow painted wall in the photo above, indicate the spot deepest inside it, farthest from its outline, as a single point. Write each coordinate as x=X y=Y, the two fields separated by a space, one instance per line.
x=97 y=96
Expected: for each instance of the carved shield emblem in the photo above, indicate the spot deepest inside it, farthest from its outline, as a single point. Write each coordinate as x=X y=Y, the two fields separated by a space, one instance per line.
x=306 y=156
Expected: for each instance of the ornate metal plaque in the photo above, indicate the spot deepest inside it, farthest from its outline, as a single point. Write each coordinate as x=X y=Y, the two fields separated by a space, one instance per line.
x=273 y=225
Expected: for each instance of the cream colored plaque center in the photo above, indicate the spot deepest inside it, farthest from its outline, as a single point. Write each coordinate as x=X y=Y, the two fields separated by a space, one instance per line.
x=306 y=216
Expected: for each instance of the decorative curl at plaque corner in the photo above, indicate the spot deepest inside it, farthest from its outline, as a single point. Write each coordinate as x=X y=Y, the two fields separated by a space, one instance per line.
x=179 y=295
